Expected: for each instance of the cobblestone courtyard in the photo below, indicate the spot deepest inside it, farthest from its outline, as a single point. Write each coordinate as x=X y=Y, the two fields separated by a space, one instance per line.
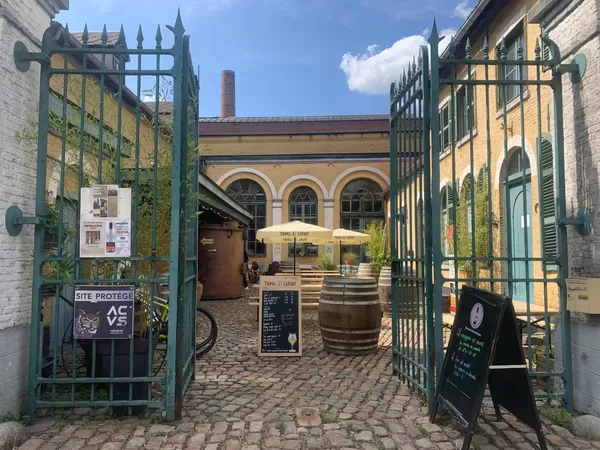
x=241 y=401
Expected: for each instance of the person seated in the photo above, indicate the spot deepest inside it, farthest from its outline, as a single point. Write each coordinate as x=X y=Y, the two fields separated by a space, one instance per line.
x=255 y=272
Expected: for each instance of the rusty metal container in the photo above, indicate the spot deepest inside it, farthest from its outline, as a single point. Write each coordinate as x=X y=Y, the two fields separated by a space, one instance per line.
x=220 y=259
x=350 y=315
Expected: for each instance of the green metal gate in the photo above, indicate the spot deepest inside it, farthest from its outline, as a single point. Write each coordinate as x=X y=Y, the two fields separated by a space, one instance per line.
x=95 y=129
x=475 y=142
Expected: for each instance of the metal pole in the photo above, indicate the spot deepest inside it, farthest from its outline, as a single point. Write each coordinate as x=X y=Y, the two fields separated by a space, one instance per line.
x=294 y=256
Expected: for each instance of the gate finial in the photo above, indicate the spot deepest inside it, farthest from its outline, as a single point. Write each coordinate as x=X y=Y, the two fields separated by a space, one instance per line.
x=538 y=50
x=86 y=36
x=140 y=38
x=503 y=49
x=158 y=38
x=468 y=54
x=104 y=38
x=121 y=40
x=486 y=48
x=434 y=32
x=452 y=48
x=179 y=28
x=66 y=35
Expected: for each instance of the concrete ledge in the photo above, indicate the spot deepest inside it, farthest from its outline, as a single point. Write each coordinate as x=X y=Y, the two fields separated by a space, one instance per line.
x=543 y=7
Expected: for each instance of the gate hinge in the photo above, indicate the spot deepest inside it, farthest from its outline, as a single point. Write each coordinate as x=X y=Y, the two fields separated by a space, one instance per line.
x=14 y=220
x=23 y=57
x=582 y=222
x=575 y=69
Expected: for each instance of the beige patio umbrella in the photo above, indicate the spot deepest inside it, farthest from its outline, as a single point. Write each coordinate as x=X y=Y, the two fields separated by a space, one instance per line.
x=347 y=237
x=292 y=233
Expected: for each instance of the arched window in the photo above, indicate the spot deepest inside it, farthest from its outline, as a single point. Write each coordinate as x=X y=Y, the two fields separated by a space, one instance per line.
x=362 y=203
x=251 y=196
x=303 y=207
x=515 y=168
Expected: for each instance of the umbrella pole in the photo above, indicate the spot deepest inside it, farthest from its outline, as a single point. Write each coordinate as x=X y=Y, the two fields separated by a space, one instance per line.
x=294 y=256
x=341 y=257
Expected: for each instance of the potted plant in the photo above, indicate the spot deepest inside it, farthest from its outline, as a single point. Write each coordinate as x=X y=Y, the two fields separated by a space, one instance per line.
x=349 y=258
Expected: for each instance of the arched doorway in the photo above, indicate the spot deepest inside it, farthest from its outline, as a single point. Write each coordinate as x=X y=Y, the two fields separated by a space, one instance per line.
x=518 y=225
x=251 y=195
x=362 y=204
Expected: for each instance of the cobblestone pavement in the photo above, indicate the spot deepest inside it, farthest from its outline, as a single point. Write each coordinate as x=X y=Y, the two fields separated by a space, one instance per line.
x=319 y=401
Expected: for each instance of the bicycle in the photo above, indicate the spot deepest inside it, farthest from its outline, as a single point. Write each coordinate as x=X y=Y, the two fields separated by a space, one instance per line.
x=161 y=315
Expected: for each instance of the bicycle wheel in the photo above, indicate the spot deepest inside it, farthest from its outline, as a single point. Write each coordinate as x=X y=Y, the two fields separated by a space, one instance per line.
x=204 y=345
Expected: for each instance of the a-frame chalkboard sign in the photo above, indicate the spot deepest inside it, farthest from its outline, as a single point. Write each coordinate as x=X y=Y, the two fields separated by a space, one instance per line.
x=485 y=349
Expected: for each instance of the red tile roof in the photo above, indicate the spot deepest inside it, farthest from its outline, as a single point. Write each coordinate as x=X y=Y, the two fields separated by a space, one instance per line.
x=243 y=126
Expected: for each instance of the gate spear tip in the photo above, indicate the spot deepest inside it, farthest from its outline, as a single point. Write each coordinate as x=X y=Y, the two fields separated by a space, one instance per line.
x=140 y=37
x=104 y=37
x=86 y=35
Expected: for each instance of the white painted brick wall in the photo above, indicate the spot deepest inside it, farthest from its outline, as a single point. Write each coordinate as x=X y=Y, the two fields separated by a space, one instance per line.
x=19 y=97
x=574 y=27
x=26 y=21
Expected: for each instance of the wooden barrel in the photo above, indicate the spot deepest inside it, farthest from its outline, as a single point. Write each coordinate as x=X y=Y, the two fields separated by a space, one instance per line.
x=365 y=270
x=350 y=315
x=385 y=276
x=384 y=287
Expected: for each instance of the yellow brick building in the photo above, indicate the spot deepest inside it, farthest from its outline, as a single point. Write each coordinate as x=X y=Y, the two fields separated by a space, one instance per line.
x=329 y=171
x=482 y=131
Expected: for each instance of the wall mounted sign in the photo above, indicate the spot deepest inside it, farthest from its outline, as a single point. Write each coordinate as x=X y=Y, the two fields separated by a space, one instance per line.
x=103 y=312
x=280 y=316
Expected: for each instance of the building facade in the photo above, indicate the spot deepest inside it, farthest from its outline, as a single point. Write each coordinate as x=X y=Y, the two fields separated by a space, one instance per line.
x=574 y=26
x=330 y=171
x=25 y=21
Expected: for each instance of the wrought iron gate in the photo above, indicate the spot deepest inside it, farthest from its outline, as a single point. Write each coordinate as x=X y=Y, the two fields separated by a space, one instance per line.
x=95 y=129
x=477 y=197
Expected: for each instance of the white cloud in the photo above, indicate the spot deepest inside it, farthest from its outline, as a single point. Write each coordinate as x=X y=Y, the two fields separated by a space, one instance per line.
x=463 y=9
x=372 y=72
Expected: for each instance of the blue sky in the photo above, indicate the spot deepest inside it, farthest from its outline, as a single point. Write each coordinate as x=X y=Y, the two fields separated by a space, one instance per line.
x=291 y=57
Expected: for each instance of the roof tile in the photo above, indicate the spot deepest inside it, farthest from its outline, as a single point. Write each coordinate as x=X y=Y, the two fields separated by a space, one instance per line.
x=239 y=126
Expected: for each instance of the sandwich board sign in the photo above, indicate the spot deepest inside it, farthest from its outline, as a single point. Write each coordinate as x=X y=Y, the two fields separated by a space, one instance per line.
x=485 y=350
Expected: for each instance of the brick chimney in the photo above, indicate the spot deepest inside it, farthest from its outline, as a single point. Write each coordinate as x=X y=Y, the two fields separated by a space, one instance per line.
x=227 y=93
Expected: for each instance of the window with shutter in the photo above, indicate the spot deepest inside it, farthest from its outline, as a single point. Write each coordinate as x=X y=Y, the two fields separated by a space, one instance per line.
x=548 y=203
x=465 y=106
x=510 y=72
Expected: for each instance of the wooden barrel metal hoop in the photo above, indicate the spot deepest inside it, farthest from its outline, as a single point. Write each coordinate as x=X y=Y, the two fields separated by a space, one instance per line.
x=350 y=315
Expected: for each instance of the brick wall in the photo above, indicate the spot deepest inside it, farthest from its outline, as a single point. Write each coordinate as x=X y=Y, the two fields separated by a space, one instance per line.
x=574 y=25
x=26 y=21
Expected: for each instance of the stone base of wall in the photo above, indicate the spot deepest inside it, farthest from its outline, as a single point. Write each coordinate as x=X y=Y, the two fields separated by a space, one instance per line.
x=14 y=362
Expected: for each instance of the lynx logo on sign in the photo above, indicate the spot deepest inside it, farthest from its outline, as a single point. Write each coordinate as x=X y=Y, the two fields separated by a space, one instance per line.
x=103 y=312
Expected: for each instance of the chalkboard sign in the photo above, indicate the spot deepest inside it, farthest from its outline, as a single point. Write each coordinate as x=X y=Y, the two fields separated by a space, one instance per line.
x=280 y=317
x=484 y=350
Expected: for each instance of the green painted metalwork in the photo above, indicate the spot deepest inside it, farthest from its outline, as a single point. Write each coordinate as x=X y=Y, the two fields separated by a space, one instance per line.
x=480 y=247
x=99 y=131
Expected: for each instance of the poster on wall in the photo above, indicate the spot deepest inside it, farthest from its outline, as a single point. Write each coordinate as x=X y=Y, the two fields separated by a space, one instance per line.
x=105 y=214
x=103 y=312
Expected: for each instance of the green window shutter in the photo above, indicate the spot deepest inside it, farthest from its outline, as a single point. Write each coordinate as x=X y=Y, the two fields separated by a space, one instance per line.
x=450 y=198
x=470 y=107
x=452 y=114
x=548 y=202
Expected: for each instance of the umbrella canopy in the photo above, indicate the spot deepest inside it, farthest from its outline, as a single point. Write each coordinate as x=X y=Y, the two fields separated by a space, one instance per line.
x=294 y=231
x=348 y=237
x=342 y=236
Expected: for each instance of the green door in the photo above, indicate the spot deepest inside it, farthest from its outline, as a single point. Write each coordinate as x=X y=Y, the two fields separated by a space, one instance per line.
x=521 y=239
